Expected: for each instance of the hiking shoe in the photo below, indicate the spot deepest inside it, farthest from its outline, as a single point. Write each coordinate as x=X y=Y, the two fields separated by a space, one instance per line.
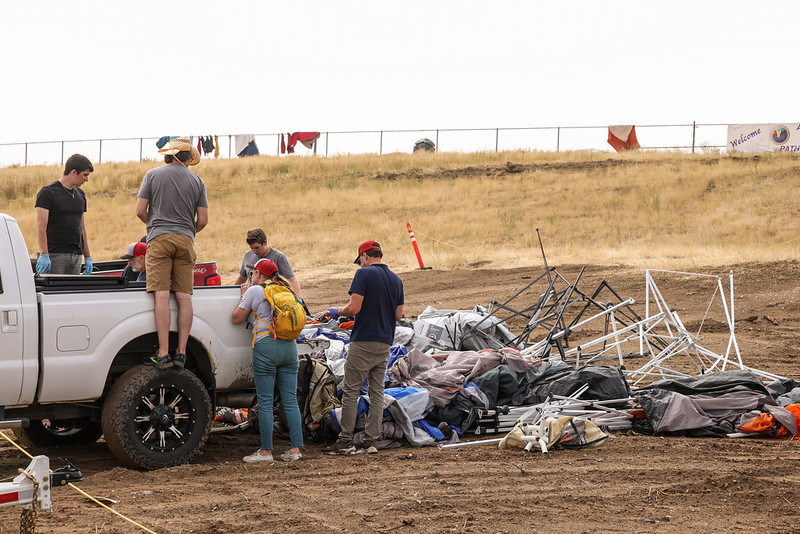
x=258 y=457
x=291 y=457
x=179 y=360
x=370 y=448
x=160 y=362
x=342 y=447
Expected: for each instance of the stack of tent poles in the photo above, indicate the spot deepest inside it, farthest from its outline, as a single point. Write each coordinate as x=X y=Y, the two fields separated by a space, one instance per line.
x=532 y=418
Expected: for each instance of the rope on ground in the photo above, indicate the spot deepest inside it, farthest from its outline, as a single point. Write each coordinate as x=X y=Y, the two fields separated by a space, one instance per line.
x=442 y=242
x=76 y=488
x=466 y=250
x=778 y=245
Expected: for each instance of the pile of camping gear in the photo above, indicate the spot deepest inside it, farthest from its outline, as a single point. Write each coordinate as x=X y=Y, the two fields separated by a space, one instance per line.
x=580 y=365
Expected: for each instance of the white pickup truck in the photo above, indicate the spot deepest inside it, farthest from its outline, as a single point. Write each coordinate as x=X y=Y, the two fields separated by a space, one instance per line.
x=71 y=349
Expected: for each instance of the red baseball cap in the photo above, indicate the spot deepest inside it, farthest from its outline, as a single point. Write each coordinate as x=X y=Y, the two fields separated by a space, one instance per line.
x=135 y=249
x=365 y=246
x=265 y=267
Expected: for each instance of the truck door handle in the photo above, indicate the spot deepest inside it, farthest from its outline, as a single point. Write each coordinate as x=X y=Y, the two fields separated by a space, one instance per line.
x=10 y=317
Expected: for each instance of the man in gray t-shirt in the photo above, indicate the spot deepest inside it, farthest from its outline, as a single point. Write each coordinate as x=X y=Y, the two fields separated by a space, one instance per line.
x=257 y=241
x=173 y=203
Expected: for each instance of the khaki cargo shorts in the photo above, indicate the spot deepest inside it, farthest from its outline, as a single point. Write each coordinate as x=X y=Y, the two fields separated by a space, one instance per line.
x=170 y=263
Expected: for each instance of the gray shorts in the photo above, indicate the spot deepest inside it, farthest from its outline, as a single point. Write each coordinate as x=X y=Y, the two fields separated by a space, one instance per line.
x=65 y=263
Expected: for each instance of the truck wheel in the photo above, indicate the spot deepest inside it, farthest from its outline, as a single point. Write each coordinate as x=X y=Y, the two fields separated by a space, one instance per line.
x=154 y=418
x=54 y=432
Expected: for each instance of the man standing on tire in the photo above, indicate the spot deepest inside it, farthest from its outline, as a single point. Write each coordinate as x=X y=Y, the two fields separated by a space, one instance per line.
x=60 y=226
x=376 y=302
x=172 y=202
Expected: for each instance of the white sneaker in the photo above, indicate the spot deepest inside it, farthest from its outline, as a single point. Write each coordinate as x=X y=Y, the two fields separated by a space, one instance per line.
x=291 y=457
x=258 y=457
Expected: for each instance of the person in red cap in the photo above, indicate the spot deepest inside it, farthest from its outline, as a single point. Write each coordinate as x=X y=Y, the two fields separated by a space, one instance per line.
x=376 y=303
x=135 y=256
x=274 y=361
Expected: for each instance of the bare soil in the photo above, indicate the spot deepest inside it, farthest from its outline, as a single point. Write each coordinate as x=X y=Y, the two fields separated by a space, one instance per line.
x=633 y=483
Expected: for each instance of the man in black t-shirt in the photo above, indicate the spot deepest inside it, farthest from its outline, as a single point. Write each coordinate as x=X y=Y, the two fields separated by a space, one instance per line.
x=60 y=227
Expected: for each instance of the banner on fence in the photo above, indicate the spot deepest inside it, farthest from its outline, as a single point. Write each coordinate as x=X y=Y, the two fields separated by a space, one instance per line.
x=783 y=137
x=623 y=137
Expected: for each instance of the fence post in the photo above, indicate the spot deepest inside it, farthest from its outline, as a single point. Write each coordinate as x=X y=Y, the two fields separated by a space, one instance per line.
x=229 y=147
x=437 y=140
x=380 y=148
x=496 y=138
x=141 y=148
x=694 y=134
x=326 y=143
x=100 y=152
x=62 y=153
x=26 y=154
x=558 y=139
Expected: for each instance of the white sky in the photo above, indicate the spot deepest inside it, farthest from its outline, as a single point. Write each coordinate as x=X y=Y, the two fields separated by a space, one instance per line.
x=107 y=69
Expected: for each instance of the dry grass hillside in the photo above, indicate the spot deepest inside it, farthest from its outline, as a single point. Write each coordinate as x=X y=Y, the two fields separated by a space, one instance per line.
x=656 y=210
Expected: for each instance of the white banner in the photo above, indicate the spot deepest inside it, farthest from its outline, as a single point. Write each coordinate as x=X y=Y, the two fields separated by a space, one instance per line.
x=764 y=137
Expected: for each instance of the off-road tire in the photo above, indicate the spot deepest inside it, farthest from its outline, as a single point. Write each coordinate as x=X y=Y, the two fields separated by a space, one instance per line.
x=57 y=432
x=157 y=418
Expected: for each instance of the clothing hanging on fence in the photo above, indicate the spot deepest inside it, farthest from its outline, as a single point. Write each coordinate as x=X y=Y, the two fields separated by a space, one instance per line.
x=216 y=147
x=283 y=145
x=208 y=144
x=246 y=145
x=162 y=141
x=309 y=140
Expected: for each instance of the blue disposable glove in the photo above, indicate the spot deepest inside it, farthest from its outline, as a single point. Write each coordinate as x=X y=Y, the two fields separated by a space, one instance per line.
x=334 y=313
x=89 y=267
x=43 y=263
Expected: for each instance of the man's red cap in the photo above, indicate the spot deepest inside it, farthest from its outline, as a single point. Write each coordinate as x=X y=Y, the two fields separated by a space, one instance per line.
x=365 y=246
x=135 y=249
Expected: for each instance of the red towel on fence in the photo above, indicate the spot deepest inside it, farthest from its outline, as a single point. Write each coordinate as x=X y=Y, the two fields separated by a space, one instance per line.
x=307 y=138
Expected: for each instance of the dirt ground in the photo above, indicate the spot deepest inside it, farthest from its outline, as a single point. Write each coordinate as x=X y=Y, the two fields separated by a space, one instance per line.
x=633 y=483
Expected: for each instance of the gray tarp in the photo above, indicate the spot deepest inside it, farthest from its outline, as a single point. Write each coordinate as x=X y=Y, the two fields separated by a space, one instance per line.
x=711 y=404
x=605 y=383
x=502 y=385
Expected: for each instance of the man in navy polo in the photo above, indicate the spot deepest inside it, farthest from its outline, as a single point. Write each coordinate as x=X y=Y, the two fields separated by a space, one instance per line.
x=376 y=303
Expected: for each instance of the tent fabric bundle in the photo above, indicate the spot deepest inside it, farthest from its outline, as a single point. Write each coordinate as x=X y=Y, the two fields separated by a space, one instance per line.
x=469 y=330
x=445 y=373
x=604 y=383
x=559 y=432
x=714 y=404
x=785 y=391
x=623 y=137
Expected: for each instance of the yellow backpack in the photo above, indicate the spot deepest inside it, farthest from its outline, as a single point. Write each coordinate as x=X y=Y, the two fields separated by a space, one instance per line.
x=288 y=313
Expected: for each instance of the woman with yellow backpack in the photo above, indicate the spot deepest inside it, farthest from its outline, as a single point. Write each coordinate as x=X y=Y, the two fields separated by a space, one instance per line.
x=276 y=314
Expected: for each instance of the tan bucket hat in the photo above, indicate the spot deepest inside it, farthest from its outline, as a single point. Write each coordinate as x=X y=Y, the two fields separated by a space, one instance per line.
x=181 y=144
